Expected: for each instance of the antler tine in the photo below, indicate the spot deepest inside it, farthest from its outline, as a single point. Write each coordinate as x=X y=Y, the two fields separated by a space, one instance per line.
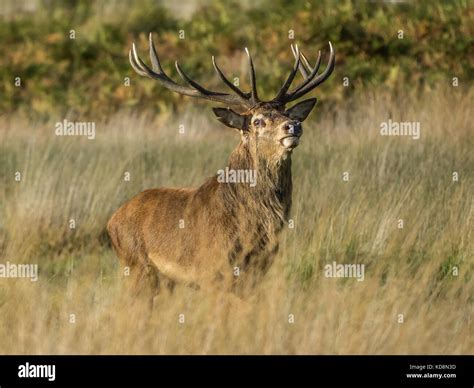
x=195 y=89
x=254 y=95
x=135 y=65
x=227 y=82
x=154 y=56
x=194 y=84
x=306 y=62
x=304 y=67
x=282 y=92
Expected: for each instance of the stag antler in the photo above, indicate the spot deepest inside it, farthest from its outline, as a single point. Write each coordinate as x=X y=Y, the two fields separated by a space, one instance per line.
x=248 y=100
x=194 y=89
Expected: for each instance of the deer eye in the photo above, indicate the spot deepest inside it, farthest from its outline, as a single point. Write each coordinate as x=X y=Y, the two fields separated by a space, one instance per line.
x=258 y=123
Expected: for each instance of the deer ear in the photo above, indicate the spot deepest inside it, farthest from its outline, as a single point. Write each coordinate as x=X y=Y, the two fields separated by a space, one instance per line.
x=230 y=118
x=301 y=110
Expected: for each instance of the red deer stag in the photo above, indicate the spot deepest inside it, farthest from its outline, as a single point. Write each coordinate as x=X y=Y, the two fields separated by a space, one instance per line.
x=208 y=235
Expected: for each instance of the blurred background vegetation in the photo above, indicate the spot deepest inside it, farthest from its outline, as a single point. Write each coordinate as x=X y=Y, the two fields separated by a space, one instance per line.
x=86 y=76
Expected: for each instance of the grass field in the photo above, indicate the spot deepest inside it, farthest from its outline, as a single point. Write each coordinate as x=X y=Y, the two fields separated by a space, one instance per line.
x=78 y=304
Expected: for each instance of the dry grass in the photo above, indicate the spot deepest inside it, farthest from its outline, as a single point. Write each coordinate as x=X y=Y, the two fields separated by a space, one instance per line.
x=408 y=271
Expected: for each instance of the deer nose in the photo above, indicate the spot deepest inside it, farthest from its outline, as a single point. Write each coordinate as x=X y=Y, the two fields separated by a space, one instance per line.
x=293 y=128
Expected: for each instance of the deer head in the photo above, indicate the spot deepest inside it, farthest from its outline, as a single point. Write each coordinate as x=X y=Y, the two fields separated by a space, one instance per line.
x=266 y=127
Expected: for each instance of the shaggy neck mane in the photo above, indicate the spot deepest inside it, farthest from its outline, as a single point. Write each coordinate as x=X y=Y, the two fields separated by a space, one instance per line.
x=267 y=205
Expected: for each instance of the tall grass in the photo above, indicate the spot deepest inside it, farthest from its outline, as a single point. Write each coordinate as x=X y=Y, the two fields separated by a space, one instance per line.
x=409 y=271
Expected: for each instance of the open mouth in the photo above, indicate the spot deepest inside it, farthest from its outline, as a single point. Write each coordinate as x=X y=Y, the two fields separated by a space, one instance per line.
x=290 y=142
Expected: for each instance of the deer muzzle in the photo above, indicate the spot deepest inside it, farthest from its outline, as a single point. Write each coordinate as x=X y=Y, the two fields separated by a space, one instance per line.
x=292 y=133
